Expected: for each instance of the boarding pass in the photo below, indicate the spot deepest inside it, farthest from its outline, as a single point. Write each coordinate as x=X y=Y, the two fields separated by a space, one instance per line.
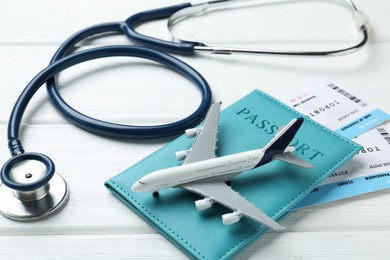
x=367 y=171
x=337 y=109
x=346 y=114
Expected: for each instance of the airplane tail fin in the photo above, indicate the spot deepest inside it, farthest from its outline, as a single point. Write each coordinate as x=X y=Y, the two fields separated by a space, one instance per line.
x=284 y=136
x=278 y=147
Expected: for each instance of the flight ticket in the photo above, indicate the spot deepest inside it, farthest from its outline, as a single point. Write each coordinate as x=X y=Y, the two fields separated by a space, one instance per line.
x=367 y=171
x=340 y=111
x=337 y=109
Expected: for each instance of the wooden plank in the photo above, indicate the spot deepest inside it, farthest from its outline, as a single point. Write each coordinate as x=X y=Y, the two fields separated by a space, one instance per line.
x=88 y=247
x=311 y=245
x=320 y=245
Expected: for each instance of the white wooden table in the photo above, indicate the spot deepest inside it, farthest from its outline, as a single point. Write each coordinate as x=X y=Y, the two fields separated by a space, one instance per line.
x=95 y=225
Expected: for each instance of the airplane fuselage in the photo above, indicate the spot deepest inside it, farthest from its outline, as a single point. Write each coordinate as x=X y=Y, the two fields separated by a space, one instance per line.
x=220 y=168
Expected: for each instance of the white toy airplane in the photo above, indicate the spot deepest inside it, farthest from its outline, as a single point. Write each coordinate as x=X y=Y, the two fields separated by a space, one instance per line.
x=205 y=174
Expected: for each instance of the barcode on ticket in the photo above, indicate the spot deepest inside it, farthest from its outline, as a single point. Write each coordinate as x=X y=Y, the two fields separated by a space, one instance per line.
x=384 y=134
x=348 y=95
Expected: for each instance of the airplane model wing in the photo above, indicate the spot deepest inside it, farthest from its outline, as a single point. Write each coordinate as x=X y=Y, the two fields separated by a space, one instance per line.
x=204 y=146
x=223 y=194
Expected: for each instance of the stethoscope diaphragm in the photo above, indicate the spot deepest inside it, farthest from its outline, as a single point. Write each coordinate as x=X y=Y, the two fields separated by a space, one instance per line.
x=31 y=188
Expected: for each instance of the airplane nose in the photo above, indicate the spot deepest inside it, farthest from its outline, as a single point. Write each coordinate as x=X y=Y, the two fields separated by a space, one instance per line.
x=136 y=187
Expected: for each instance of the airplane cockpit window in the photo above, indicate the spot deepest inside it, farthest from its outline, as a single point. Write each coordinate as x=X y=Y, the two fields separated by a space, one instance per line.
x=143 y=183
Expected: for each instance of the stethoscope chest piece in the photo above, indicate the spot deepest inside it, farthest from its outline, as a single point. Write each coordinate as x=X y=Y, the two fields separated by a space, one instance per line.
x=31 y=190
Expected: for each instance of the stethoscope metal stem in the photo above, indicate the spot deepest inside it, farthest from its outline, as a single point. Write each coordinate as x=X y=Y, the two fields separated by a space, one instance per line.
x=230 y=50
x=202 y=8
x=34 y=194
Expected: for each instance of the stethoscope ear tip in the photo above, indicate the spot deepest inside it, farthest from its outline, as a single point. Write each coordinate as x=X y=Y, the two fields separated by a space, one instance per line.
x=31 y=190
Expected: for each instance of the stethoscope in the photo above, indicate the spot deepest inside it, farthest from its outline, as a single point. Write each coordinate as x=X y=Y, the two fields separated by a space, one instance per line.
x=178 y=13
x=31 y=189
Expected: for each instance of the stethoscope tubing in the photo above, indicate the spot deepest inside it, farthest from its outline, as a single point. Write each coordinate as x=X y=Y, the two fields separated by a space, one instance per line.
x=101 y=127
x=128 y=29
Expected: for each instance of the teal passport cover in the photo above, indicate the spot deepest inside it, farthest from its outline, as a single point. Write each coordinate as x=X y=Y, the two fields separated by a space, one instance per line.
x=250 y=123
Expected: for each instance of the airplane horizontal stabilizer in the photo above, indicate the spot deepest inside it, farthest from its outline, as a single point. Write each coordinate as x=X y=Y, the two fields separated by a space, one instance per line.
x=293 y=159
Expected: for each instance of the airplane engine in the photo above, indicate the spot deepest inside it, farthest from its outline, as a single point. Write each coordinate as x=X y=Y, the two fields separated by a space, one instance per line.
x=204 y=204
x=231 y=218
x=192 y=132
x=181 y=155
